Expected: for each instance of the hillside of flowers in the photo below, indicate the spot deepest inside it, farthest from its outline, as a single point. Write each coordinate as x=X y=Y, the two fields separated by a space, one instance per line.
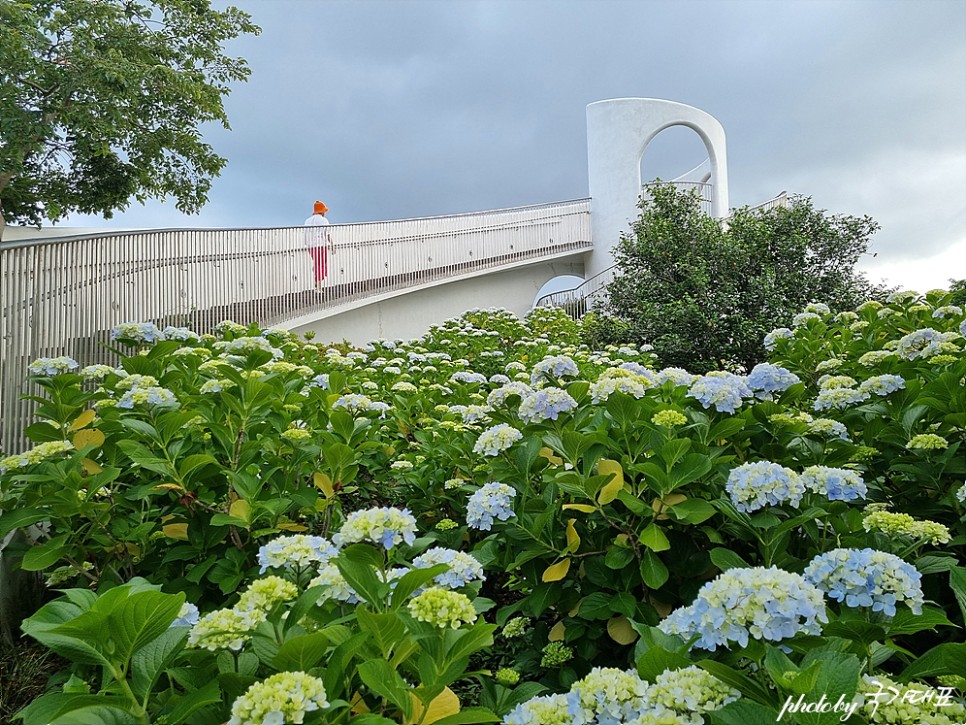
x=495 y=524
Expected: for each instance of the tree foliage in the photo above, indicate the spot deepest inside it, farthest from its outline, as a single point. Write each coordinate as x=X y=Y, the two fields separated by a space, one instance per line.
x=102 y=102
x=705 y=294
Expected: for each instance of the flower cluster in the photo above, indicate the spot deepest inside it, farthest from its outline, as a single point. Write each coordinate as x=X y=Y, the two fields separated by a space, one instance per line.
x=755 y=485
x=498 y=397
x=225 y=628
x=836 y=484
x=545 y=404
x=497 y=439
x=606 y=695
x=335 y=585
x=758 y=603
x=515 y=627
x=867 y=578
x=299 y=551
x=385 y=526
x=838 y=398
x=622 y=380
x=282 y=698
x=151 y=395
x=772 y=338
x=927 y=442
x=925 y=343
x=882 y=385
x=886 y=702
x=443 y=608
x=689 y=690
x=724 y=390
x=246 y=345
x=555 y=654
x=541 y=710
x=900 y=524
x=767 y=380
x=263 y=594
x=669 y=418
x=136 y=332
x=40 y=452
x=554 y=368
x=492 y=501
x=50 y=366
x=463 y=568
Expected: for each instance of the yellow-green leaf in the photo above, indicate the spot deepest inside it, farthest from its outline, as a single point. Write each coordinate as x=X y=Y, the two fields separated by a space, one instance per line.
x=556 y=572
x=88 y=437
x=241 y=509
x=620 y=630
x=584 y=508
x=654 y=539
x=83 y=419
x=90 y=467
x=573 y=538
x=324 y=483
x=548 y=454
x=176 y=531
x=557 y=632
x=661 y=505
x=443 y=705
x=293 y=527
x=610 y=490
x=169 y=487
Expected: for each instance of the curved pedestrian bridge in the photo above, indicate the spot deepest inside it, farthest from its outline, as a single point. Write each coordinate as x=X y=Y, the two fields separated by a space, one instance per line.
x=62 y=296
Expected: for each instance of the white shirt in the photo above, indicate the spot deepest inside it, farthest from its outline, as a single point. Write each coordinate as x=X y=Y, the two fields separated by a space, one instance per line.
x=315 y=237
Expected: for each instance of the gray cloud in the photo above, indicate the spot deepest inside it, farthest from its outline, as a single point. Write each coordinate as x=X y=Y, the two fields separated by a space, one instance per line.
x=400 y=109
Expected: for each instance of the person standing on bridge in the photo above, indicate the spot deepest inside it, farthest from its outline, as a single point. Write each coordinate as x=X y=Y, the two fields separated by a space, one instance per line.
x=318 y=239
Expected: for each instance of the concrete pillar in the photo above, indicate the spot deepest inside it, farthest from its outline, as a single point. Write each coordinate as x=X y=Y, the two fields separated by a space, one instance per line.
x=618 y=132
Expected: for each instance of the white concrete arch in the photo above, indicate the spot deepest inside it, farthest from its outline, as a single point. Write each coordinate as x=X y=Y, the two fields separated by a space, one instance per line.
x=618 y=133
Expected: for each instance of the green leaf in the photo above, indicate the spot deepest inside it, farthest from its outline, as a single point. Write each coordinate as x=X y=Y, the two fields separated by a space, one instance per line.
x=188 y=705
x=387 y=629
x=726 y=559
x=469 y=716
x=744 y=712
x=413 y=580
x=693 y=510
x=150 y=661
x=618 y=557
x=957 y=580
x=20 y=518
x=738 y=680
x=45 y=555
x=302 y=652
x=855 y=630
x=657 y=659
x=362 y=578
x=63 y=708
x=905 y=622
x=943 y=659
x=383 y=680
x=141 y=618
x=654 y=539
x=653 y=571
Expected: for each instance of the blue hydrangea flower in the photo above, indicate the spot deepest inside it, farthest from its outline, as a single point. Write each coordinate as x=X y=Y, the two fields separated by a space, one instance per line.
x=50 y=366
x=137 y=331
x=836 y=484
x=297 y=551
x=463 y=567
x=554 y=368
x=545 y=404
x=724 y=390
x=386 y=526
x=742 y=604
x=882 y=385
x=772 y=338
x=606 y=696
x=767 y=379
x=867 y=578
x=838 y=398
x=755 y=485
x=492 y=501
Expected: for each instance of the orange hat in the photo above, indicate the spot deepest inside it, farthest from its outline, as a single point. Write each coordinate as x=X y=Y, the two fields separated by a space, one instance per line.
x=320 y=208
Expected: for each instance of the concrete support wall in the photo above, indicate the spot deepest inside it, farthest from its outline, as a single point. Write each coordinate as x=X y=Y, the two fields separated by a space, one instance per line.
x=411 y=314
x=618 y=132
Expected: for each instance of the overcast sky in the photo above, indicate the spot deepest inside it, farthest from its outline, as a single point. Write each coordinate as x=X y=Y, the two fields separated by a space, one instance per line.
x=389 y=109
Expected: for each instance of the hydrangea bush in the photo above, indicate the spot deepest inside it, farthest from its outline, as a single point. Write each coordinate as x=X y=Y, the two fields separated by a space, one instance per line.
x=496 y=517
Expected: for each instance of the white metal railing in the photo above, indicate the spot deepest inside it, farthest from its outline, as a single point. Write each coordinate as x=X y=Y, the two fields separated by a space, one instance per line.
x=62 y=296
